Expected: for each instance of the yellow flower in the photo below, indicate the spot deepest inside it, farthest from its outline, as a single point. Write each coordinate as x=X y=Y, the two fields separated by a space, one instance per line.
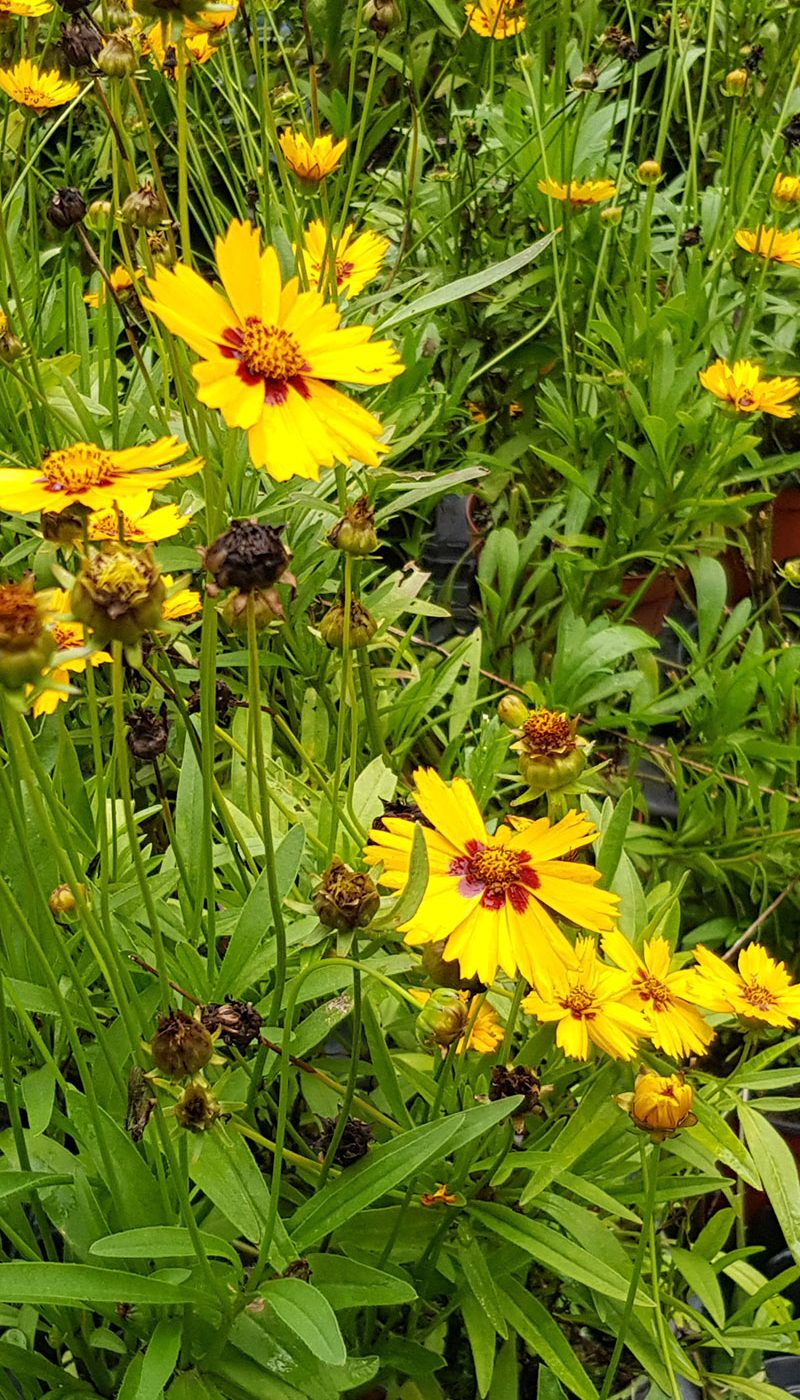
x=676 y=1027
x=137 y=522
x=184 y=602
x=487 y=1030
x=741 y=385
x=199 y=47
x=786 y=189
x=211 y=22
x=440 y=1195
x=476 y=411
x=86 y=474
x=589 y=1003
x=579 y=193
x=496 y=19
x=270 y=356
x=660 y=1104
x=551 y=753
x=311 y=161
x=771 y=244
x=357 y=260
x=489 y=895
x=25 y=9
x=760 y=993
x=37 y=88
x=68 y=637
x=121 y=282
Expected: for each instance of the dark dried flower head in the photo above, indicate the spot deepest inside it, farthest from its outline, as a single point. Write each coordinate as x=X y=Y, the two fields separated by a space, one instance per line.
x=148 y=732
x=248 y=555
x=224 y=701
x=299 y=1268
x=754 y=57
x=408 y=811
x=619 y=42
x=197 y=1109
x=345 y=899
x=791 y=133
x=238 y=1022
x=691 y=237
x=510 y=1080
x=354 y=1144
x=80 y=43
x=66 y=207
x=26 y=645
x=181 y=1045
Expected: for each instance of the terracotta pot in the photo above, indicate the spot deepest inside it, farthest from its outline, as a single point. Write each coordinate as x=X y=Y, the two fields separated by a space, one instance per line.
x=739 y=584
x=652 y=608
x=786 y=525
x=479 y=519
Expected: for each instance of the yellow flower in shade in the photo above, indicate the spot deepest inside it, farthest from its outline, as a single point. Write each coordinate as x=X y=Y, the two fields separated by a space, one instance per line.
x=68 y=637
x=199 y=47
x=184 y=602
x=311 y=161
x=579 y=193
x=88 y=475
x=211 y=22
x=489 y=895
x=121 y=282
x=37 y=88
x=660 y=1104
x=771 y=244
x=270 y=356
x=25 y=9
x=496 y=19
x=664 y=996
x=357 y=260
x=487 y=1030
x=760 y=993
x=588 y=1001
x=137 y=522
x=741 y=386
x=441 y=1196
x=786 y=189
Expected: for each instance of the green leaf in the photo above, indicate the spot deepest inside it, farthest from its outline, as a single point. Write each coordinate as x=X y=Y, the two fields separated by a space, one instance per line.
x=347 y=1283
x=386 y=1167
x=226 y=1171
x=38 y=1092
x=406 y=906
x=161 y=1242
x=21 y=1362
x=737 y=1386
x=479 y=1280
x=595 y=1112
x=778 y=1173
x=79 y=1284
x=711 y=592
x=545 y=1339
x=255 y=920
x=702 y=1279
x=612 y=842
x=189 y=808
x=468 y=286
x=159 y=1359
x=309 y=1315
x=20 y=1183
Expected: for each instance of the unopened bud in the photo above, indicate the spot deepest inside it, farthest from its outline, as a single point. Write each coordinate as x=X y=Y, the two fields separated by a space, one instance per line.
x=362 y=625
x=649 y=172
x=62 y=901
x=117 y=58
x=144 y=208
x=99 y=214
x=611 y=215
x=442 y=1019
x=736 y=82
x=791 y=572
x=345 y=899
x=587 y=80
x=355 y=533
x=512 y=710
x=660 y=1104
x=181 y=1045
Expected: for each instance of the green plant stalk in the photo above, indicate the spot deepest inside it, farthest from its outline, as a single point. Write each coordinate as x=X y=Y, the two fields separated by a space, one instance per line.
x=651 y=1179
x=344 y=683
x=183 y=162
x=352 y=1076
x=661 y=1323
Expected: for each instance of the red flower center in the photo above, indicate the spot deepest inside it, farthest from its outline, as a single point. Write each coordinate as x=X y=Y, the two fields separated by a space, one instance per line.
x=497 y=874
x=269 y=355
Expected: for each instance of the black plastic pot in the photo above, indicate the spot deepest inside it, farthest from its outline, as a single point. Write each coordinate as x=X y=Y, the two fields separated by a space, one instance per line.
x=451 y=560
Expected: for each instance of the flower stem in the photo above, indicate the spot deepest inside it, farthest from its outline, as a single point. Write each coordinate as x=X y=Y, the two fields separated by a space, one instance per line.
x=254 y=676
x=651 y=1179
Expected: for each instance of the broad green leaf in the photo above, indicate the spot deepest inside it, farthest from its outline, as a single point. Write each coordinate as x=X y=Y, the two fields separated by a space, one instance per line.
x=545 y=1339
x=79 y=1284
x=715 y=1134
x=309 y=1315
x=38 y=1092
x=505 y=1381
x=159 y=1359
x=388 y=1165
x=160 y=1242
x=20 y=1183
x=778 y=1173
x=737 y=1386
x=473 y=1262
x=612 y=842
x=711 y=592
x=137 y=1201
x=347 y=1283
x=383 y=1065
x=254 y=925
x=595 y=1112
x=189 y=809
x=225 y=1169
x=702 y=1280
x=21 y=1362
x=482 y=1339
x=469 y=286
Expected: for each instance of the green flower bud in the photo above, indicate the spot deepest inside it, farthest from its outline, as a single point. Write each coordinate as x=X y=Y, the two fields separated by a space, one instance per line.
x=649 y=172
x=442 y=1019
x=198 y=1108
x=512 y=710
x=118 y=57
x=362 y=625
x=355 y=533
x=144 y=208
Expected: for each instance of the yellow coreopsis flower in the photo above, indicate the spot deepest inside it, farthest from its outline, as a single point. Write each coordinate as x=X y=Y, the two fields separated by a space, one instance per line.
x=184 y=602
x=660 y=1104
x=311 y=161
x=68 y=636
x=579 y=193
x=589 y=1003
x=786 y=189
x=25 y=9
x=198 y=47
x=664 y=996
x=741 y=386
x=88 y=475
x=137 y=523
x=760 y=993
x=771 y=244
x=36 y=88
x=357 y=259
x=270 y=356
x=121 y=282
x=489 y=895
x=496 y=19
x=211 y=22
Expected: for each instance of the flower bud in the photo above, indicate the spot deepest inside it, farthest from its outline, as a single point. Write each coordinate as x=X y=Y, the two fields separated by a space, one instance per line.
x=550 y=753
x=247 y=555
x=510 y=1080
x=181 y=1045
x=649 y=172
x=63 y=526
x=659 y=1105
x=345 y=899
x=736 y=82
x=512 y=710
x=99 y=214
x=382 y=16
x=355 y=533
x=362 y=625
x=144 y=208
x=197 y=1109
x=442 y=1019
x=161 y=249
x=118 y=593
x=148 y=732
x=353 y=1145
x=80 y=43
x=791 y=572
x=118 y=59
x=11 y=346
x=238 y=1022
x=611 y=215
x=66 y=207
x=62 y=901
x=26 y=645
x=586 y=80
x=264 y=604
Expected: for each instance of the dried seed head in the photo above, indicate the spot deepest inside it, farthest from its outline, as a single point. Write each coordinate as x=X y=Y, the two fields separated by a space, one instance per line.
x=510 y=1080
x=80 y=43
x=181 y=1045
x=345 y=899
x=224 y=701
x=144 y=208
x=148 y=732
x=354 y=1144
x=65 y=208
x=238 y=1022
x=247 y=556
x=26 y=645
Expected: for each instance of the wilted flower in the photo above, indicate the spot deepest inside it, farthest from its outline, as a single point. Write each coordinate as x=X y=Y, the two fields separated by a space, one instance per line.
x=224 y=700
x=118 y=593
x=80 y=43
x=355 y=533
x=510 y=1080
x=441 y=1196
x=119 y=281
x=65 y=208
x=181 y=1045
x=660 y=1104
x=26 y=644
x=247 y=555
x=362 y=625
x=345 y=899
x=148 y=732
x=619 y=42
x=354 y=1144
x=198 y=1108
x=144 y=208
x=237 y=1022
